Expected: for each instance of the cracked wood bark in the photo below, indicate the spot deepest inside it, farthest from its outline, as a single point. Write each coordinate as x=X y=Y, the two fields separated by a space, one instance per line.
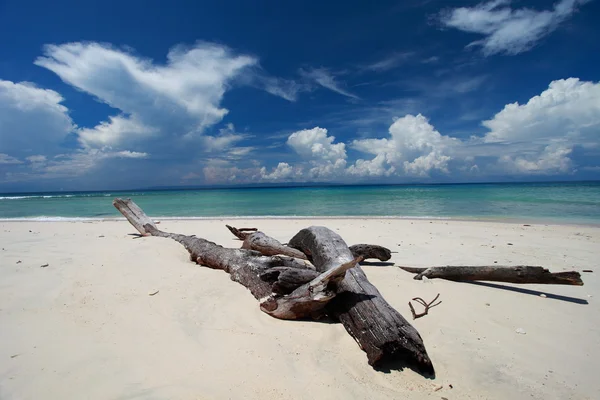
x=269 y=246
x=134 y=215
x=498 y=273
x=265 y=244
x=254 y=271
x=379 y=329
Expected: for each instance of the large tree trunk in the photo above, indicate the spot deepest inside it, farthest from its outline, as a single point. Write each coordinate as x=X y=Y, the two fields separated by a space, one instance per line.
x=379 y=329
x=498 y=273
x=300 y=292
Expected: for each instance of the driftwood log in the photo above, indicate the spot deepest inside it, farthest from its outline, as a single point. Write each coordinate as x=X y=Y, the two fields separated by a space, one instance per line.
x=498 y=273
x=290 y=288
x=306 y=292
x=269 y=246
x=378 y=328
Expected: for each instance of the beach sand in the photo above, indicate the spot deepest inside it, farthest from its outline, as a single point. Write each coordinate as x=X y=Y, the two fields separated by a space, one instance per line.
x=85 y=326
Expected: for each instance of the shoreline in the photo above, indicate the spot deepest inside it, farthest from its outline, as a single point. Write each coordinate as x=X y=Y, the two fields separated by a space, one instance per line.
x=499 y=220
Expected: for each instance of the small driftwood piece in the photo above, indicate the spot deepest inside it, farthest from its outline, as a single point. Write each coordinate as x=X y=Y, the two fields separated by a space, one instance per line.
x=241 y=233
x=425 y=304
x=378 y=328
x=264 y=244
x=248 y=267
x=498 y=273
x=371 y=251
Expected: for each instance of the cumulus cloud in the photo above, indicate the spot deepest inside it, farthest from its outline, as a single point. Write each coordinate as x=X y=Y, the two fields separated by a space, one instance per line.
x=32 y=120
x=282 y=172
x=414 y=148
x=323 y=77
x=324 y=157
x=317 y=145
x=540 y=134
x=568 y=110
x=33 y=127
x=535 y=138
x=507 y=30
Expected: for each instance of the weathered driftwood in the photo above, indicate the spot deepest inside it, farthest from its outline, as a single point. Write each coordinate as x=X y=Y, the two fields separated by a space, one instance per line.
x=248 y=267
x=309 y=299
x=371 y=251
x=379 y=329
x=498 y=273
x=264 y=244
x=269 y=246
x=134 y=215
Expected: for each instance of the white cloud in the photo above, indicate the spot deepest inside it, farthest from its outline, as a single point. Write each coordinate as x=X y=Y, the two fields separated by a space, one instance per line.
x=284 y=88
x=325 y=78
x=507 y=30
x=325 y=159
x=36 y=159
x=390 y=62
x=225 y=139
x=115 y=132
x=414 y=148
x=76 y=163
x=6 y=159
x=539 y=136
x=282 y=172
x=179 y=99
x=552 y=159
x=316 y=145
x=32 y=120
x=569 y=110
x=535 y=138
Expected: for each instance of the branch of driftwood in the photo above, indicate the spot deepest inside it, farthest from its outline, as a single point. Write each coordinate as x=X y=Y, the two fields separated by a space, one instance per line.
x=425 y=304
x=498 y=273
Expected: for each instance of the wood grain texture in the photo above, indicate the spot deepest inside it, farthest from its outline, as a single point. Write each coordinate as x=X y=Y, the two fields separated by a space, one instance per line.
x=380 y=330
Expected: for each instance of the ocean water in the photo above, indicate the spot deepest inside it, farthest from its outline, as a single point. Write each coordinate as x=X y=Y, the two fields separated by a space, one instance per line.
x=577 y=202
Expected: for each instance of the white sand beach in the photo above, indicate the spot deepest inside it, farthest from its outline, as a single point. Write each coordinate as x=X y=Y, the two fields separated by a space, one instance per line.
x=85 y=326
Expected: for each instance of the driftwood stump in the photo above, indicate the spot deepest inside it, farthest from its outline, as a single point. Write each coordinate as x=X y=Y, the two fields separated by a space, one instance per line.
x=379 y=329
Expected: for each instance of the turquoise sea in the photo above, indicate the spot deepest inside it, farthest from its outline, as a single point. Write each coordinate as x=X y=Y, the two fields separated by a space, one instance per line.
x=577 y=202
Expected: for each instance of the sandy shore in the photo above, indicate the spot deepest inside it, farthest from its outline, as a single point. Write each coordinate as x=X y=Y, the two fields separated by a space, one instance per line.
x=85 y=327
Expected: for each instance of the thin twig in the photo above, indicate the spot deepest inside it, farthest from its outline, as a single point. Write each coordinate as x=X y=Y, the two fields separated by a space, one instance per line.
x=425 y=304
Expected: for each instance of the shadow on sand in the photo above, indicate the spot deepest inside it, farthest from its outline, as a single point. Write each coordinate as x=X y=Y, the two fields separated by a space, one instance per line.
x=531 y=292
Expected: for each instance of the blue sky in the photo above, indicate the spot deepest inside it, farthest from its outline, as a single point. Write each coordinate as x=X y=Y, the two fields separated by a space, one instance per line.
x=109 y=95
